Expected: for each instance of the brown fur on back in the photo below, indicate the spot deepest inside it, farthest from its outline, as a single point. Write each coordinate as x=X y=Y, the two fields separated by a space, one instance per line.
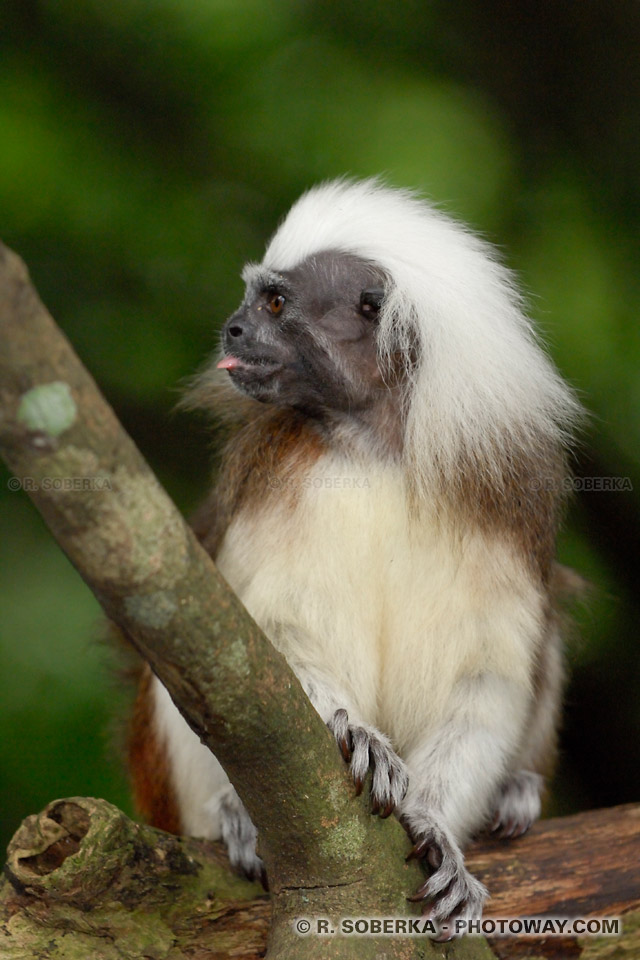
x=524 y=502
x=149 y=765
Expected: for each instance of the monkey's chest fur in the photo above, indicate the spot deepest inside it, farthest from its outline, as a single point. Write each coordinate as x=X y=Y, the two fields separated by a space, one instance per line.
x=392 y=604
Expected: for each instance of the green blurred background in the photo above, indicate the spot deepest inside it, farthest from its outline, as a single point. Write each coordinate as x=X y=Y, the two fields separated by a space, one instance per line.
x=148 y=148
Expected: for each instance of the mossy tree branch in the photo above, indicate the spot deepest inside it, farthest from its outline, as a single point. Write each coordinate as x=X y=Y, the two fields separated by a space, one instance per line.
x=324 y=853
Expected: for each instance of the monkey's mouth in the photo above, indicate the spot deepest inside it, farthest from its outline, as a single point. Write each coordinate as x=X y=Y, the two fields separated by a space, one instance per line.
x=246 y=370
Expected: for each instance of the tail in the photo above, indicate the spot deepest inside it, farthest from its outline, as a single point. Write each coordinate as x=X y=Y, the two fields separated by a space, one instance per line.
x=148 y=763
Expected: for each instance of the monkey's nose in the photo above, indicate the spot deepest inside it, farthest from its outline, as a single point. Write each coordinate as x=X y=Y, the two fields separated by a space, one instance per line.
x=235 y=334
x=238 y=327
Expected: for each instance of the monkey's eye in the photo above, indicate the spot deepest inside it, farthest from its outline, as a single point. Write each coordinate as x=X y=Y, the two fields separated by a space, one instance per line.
x=276 y=303
x=370 y=303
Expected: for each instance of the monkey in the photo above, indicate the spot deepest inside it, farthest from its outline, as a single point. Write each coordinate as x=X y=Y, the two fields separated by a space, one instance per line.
x=386 y=509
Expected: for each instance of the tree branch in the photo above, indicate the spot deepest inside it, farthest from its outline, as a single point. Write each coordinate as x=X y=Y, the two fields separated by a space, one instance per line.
x=120 y=530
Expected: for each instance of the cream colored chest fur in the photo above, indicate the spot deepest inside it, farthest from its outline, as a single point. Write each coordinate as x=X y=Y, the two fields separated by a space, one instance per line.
x=391 y=608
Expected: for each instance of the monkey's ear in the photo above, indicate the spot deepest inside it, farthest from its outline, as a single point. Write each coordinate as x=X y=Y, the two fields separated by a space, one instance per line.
x=370 y=302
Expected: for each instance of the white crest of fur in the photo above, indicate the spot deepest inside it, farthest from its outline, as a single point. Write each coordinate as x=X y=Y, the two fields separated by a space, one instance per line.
x=482 y=384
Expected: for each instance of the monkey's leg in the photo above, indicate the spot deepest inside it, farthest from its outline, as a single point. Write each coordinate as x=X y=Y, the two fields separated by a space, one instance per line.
x=517 y=803
x=208 y=804
x=361 y=744
x=453 y=776
x=240 y=836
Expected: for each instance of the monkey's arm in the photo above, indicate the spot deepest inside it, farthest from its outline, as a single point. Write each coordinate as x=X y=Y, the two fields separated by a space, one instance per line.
x=453 y=778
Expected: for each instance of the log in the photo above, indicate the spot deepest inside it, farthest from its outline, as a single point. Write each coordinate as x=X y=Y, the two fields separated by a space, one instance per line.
x=583 y=865
x=586 y=865
x=82 y=880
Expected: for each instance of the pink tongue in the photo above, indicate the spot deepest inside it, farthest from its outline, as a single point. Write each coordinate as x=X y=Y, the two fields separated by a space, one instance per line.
x=228 y=363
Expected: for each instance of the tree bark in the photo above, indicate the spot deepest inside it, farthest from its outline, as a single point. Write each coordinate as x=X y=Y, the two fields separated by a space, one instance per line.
x=82 y=880
x=583 y=865
x=324 y=853
x=586 y=865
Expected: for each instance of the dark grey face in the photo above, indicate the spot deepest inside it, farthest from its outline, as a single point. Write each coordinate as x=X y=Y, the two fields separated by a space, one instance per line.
x=306 y=338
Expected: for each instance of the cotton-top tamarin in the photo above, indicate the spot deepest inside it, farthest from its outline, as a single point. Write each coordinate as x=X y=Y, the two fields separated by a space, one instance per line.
x=386 y=510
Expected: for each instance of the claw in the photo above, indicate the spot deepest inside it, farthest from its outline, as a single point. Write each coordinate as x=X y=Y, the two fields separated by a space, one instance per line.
x=506 y=830
x=445 y=935
x=434 y=857
x=510 y=829
x=420 y=893
x=450 y=890
x=345 y=750
x=418 y=851
x=368 y=752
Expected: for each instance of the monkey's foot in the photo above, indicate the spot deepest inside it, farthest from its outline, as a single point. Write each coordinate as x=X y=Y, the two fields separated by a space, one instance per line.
x=240 y=837
x=517 y=805
x=362 y=746
x=451 y=893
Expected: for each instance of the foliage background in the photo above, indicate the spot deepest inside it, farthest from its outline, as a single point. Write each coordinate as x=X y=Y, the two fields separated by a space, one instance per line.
x=148 y=148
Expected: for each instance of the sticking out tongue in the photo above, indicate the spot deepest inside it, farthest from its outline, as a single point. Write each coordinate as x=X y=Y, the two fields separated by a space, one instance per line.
x=228 y=363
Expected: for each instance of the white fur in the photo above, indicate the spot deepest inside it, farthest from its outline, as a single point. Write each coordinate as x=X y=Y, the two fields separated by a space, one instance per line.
x=197 y=777
x=517 y=804
x=398 y=621
x=357 y=591
x=392 y=610
x=482 y=382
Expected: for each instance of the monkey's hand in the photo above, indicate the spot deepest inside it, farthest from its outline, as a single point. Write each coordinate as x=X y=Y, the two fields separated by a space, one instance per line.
x=451 y=889
x=517 y=805
x=362 y=747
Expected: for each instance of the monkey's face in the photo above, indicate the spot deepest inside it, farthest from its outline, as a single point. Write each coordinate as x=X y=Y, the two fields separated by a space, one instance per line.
x=306 y=338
